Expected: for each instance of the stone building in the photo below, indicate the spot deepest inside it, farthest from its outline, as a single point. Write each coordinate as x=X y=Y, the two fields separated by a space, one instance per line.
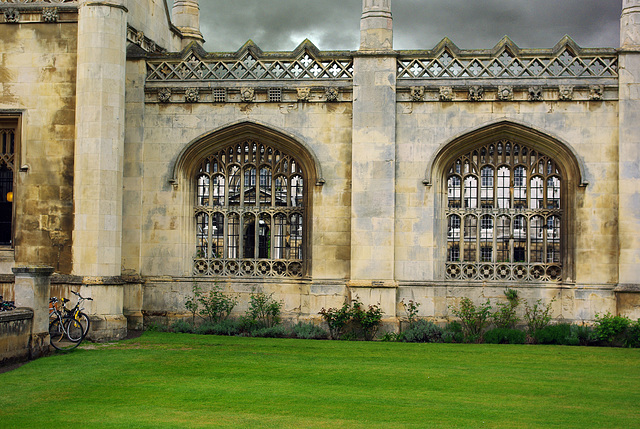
x=138 y=165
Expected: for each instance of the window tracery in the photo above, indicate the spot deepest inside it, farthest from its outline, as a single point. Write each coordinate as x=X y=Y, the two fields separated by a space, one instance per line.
x=504 y=212
x=250 y=213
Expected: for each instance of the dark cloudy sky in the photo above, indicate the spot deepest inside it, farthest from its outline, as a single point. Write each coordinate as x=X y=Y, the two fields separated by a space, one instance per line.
x=418 y=24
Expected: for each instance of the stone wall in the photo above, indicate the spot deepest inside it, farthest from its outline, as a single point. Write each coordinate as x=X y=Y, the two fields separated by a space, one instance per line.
x=38 y=70
x=15 y=335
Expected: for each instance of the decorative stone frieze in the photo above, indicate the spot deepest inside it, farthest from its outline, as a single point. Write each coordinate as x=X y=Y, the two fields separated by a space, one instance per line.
x=50 y=14
x=565 y=93
x=247 y=95
x=446 y=93
x=596 y=92
x=304 y=94
x=476 y=93
x=164 y=95
x=331 y=94
x=192 y=95
x=12 y=15
x=505 y=93
x=535 y=93
x=417 y=93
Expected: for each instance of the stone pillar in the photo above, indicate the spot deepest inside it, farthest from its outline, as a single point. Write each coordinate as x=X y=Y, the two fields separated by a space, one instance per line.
x=186 y=16
x=374 y=152
x=629 y=149
x=32 y=290
x=99 y=147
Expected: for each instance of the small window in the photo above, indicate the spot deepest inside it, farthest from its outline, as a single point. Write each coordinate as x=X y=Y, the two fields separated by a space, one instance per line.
x=275 y=95
x=219 y=95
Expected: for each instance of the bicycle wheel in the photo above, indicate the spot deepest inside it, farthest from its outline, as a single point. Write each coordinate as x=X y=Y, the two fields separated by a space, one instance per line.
x=58 y=336
x=85 y=322
x=75 y=331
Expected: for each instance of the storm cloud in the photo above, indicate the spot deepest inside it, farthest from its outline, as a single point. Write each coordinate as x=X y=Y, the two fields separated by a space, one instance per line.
x=418 y=24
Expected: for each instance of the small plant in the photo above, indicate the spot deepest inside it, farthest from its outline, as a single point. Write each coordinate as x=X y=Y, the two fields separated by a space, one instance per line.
x=191 y=302
x=473 y=319
x=632 y=337
x=423 y=331
x=537 y=317
x=337 y=319
x=216 y=306
x=505 y=336
x=453 y=333
x=181 y=327
x=411 y=308
x=264 y=310
x=392 y=337
x=277 y=331
x=611 y=329
x=155 y=327
x=227 y=327
x=367 y=321
x=309 y=331
x=505 y=316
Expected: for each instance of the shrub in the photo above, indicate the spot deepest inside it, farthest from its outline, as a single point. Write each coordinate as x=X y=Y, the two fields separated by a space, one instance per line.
x=581 y=335
x=611 y=330
x=226 y=327
x=559 y=334
x=337 y=319
x=155 y=327
x=537 y=317
x=276 y=331
x=392 y=337
x=182 y=327
x=411 y=309
x=632 y=337
x=264 y=310
x=367 y=322
x=505 y=336
x=423 y=331
x=505 y=315
x=473 y=319
x=216 y=306
x=309 y=331
x=453 y=333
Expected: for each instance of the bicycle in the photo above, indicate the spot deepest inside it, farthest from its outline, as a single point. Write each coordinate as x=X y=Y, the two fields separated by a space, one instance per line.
x=65 y=332
x=6 y=305
x=67 y=327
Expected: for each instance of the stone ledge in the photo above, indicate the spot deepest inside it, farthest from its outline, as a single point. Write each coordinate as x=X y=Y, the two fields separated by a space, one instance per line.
x=627 y=288
x=17 y=314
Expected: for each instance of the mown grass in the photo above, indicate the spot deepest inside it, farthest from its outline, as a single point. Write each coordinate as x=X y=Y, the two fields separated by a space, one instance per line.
x=183 y=380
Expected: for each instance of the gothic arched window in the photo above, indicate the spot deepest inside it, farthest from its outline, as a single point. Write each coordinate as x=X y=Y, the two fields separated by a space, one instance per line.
x=250 y=212
x=504 y=211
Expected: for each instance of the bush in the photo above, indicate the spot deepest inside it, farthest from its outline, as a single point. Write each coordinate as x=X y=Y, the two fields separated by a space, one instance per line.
x=216 y=306
x=367 y=322
x=505 y=336
x=537 y=317
x=337 y=319
x=423 y=331
x=155 y=327
x=411 y=309
x=559 y=334
x=632 y=337
x=581 y=335
x=505 y=315
x=309 y=331
x=611 y=330
x=181 y=327
x=227 y=327
x=277 y=331
x=473 y=319
x=392 y=337
x=264 y=310
x=453 y=333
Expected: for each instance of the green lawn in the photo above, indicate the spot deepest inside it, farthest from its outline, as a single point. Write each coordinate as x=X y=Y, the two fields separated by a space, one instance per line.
x=182 y=380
